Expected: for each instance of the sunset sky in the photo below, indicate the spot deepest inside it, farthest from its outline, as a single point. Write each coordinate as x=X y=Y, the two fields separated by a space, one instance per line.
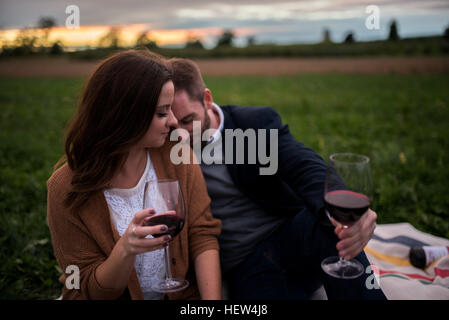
x=171 y=22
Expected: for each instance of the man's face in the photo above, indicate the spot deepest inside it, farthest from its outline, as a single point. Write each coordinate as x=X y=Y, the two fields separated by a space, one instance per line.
x=187 y=111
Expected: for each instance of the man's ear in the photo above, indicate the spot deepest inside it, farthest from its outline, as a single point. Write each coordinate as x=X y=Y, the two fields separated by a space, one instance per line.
x=208 y=99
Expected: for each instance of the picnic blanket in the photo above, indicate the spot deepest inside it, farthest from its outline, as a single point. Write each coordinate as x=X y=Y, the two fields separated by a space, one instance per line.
x=388 y=252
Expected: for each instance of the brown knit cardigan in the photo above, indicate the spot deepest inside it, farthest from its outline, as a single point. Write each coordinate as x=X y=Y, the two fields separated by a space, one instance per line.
x=86 y=238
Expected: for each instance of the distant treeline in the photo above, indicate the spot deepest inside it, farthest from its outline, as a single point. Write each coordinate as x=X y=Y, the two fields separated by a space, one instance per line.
x=35 y=42
x=424 y=46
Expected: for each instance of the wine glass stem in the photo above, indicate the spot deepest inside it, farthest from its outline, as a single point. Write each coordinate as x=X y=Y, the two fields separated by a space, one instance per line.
x=342 y=263
x=167 y=263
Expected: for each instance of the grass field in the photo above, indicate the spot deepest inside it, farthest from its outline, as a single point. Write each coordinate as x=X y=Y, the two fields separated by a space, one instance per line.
x=400 y=121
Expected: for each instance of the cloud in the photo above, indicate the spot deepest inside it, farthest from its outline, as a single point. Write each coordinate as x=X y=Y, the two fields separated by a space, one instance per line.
x=306 y=10
x=20 y=13
x=277 y=20
x=266 y=11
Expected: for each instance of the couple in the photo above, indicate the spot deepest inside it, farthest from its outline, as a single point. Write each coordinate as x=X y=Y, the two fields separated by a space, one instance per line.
x=271 y=229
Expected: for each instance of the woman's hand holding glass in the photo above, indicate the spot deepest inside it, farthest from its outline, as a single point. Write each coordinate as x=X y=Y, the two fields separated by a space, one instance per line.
x=134 y=239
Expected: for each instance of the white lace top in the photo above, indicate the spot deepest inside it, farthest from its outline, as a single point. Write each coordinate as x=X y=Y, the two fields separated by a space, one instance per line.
x=123 y=204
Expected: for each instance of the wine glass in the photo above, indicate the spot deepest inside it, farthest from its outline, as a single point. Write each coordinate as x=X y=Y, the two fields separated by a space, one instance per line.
x=347 y=196
x=165 y=196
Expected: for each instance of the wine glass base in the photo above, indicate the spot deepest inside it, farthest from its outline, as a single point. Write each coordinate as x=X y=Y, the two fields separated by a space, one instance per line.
x=171 y=285
x=342 y=269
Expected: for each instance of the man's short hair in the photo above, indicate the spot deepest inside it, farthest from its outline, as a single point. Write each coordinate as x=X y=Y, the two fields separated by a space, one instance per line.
x=187 y=77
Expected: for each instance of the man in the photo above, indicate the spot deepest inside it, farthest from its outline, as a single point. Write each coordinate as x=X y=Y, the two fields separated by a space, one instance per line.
x=274 y=230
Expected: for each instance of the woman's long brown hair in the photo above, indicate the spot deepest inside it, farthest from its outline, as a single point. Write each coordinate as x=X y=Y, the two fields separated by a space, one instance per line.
x=114 y=112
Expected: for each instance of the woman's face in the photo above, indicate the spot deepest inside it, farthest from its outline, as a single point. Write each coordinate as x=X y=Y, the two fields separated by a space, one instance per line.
x=163 y=119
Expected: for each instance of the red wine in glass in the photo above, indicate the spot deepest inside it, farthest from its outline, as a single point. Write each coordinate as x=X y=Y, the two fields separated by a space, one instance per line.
x=347 y=196
x=173 y=222
x=346 y=206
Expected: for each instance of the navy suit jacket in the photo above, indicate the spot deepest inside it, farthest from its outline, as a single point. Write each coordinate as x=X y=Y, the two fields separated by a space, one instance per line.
x=299 y=180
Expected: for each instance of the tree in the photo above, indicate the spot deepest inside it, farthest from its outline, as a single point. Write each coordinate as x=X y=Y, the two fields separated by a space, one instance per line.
x=145 y=40
x=226 y=39
x=111 y=39
x=193 y=42
x=393 y=35
x=197 y=44
x=250 y=40
x=327 y=36
x=46 y=24
x=25 y=42
x=446 y=33
x=349 y=38
x=56 y=48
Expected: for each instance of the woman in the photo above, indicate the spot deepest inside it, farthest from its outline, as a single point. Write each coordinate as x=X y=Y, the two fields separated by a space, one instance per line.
x=116 y=142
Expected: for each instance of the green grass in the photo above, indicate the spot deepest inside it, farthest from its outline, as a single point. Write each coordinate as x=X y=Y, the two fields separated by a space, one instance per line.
x=32 y=120
x=401 y=122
